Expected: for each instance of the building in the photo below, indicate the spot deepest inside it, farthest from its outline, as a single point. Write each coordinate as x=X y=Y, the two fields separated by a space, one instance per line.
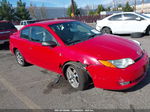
x=145 y=8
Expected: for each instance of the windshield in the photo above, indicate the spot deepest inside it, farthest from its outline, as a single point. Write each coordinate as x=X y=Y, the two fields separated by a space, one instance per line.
x=144 y=16
x=74 y=32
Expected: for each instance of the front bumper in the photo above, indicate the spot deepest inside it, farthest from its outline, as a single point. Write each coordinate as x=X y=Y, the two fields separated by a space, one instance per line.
x=119 y=79
x=98 y=28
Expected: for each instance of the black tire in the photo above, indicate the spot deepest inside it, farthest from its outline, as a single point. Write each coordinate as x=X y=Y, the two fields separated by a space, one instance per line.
x=106 y=30
x=148 y=31
x=83 y=77
x=20 y=59
x=137 y=35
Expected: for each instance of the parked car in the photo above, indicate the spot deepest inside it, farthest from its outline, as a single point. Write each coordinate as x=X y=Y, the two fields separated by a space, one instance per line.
x=6 y=29
x=23 y=23
x=124 y=23
x=81 y=54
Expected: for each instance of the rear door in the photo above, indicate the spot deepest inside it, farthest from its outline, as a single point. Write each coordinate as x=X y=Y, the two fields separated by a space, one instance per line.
x=133 y=23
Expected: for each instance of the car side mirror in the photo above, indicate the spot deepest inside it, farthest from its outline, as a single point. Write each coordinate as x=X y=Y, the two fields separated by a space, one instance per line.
x=138 y=19
x=49 y=43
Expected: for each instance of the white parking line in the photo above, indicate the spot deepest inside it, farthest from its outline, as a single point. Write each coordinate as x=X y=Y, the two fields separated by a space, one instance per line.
x=29 y=103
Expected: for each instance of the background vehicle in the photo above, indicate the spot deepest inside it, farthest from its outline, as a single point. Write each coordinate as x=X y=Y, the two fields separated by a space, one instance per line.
x=124 y=23
x=23 y=23
x=81 y=54
x=6 y=29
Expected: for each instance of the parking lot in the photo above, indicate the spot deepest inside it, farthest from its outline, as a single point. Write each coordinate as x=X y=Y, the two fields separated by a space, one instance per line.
x=34 y=88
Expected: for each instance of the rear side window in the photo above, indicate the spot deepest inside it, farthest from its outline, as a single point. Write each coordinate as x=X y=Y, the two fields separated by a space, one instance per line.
x=25 y=33
x=130 y=17
x=6 y=26
x=116 y=18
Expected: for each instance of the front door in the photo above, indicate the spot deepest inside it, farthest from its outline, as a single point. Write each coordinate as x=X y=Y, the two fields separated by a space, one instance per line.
x=44 y=56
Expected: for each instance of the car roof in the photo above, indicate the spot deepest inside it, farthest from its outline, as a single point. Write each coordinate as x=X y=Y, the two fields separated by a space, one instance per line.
x=125 y=13
x=4 y=21
x=50 y=22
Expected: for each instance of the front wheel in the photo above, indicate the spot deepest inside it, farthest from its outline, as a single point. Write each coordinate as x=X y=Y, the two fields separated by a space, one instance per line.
x=77 y=77
x=106 y=30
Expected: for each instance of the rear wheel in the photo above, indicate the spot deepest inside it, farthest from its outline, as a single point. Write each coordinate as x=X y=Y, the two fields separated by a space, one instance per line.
x=77 y=77
x=106 y=30
x=20 y=59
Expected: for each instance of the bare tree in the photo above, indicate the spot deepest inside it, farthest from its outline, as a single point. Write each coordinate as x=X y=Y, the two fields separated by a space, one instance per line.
x=43 y=12
x=32 y=11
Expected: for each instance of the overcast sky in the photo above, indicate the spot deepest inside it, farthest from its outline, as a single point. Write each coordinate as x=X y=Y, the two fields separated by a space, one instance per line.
x=61 y=3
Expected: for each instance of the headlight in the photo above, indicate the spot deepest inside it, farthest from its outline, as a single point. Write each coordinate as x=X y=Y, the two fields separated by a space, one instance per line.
x=137 y=42
x=121 y=63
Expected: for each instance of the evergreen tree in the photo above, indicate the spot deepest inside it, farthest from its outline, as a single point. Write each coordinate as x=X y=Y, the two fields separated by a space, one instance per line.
x=76 y=10
x=7 y=12
x=91 y=13
x=108 y=9
x=21 y=12
x=127 y=8
x=100 y=8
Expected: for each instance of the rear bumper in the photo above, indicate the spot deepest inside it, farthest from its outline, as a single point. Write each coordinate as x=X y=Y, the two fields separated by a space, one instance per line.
x=119 y=79
x=3 y=41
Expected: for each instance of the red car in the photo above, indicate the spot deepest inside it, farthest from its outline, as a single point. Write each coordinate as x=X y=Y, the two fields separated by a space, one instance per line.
x=6 y=29
x=81 y=54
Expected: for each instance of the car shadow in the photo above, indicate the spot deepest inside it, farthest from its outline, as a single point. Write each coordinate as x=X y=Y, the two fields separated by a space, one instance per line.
x=4 y=46
x=142 y=84
x=129 y=35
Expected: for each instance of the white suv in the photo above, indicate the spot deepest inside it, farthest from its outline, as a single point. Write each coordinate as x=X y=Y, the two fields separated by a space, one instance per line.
x=124 y=23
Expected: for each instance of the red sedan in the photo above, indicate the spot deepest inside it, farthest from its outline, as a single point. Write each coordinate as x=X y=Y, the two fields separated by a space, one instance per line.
x=81 y=54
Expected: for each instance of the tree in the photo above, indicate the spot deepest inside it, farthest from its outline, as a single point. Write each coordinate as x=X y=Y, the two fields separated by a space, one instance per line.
x=7 y=12
x=108 y=9
x=32 y=10
x=21 y=12
x=76 y=10
x=91 y=13
x=43 y=12
x=100 y=8
x=127 y=8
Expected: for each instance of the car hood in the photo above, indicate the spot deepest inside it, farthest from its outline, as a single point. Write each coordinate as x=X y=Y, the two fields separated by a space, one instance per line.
x=108 y=47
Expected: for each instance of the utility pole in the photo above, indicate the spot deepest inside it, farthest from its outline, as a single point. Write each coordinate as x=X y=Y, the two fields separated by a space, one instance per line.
x=142 y=6
x=114 y=4
x=72 y=6
x=135 y=6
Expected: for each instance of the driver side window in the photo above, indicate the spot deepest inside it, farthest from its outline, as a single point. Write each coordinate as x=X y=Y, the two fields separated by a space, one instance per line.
x=39 y=34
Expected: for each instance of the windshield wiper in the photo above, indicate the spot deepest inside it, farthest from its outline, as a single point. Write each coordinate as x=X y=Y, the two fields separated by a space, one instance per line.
x=91 y=36
x=74 y=42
